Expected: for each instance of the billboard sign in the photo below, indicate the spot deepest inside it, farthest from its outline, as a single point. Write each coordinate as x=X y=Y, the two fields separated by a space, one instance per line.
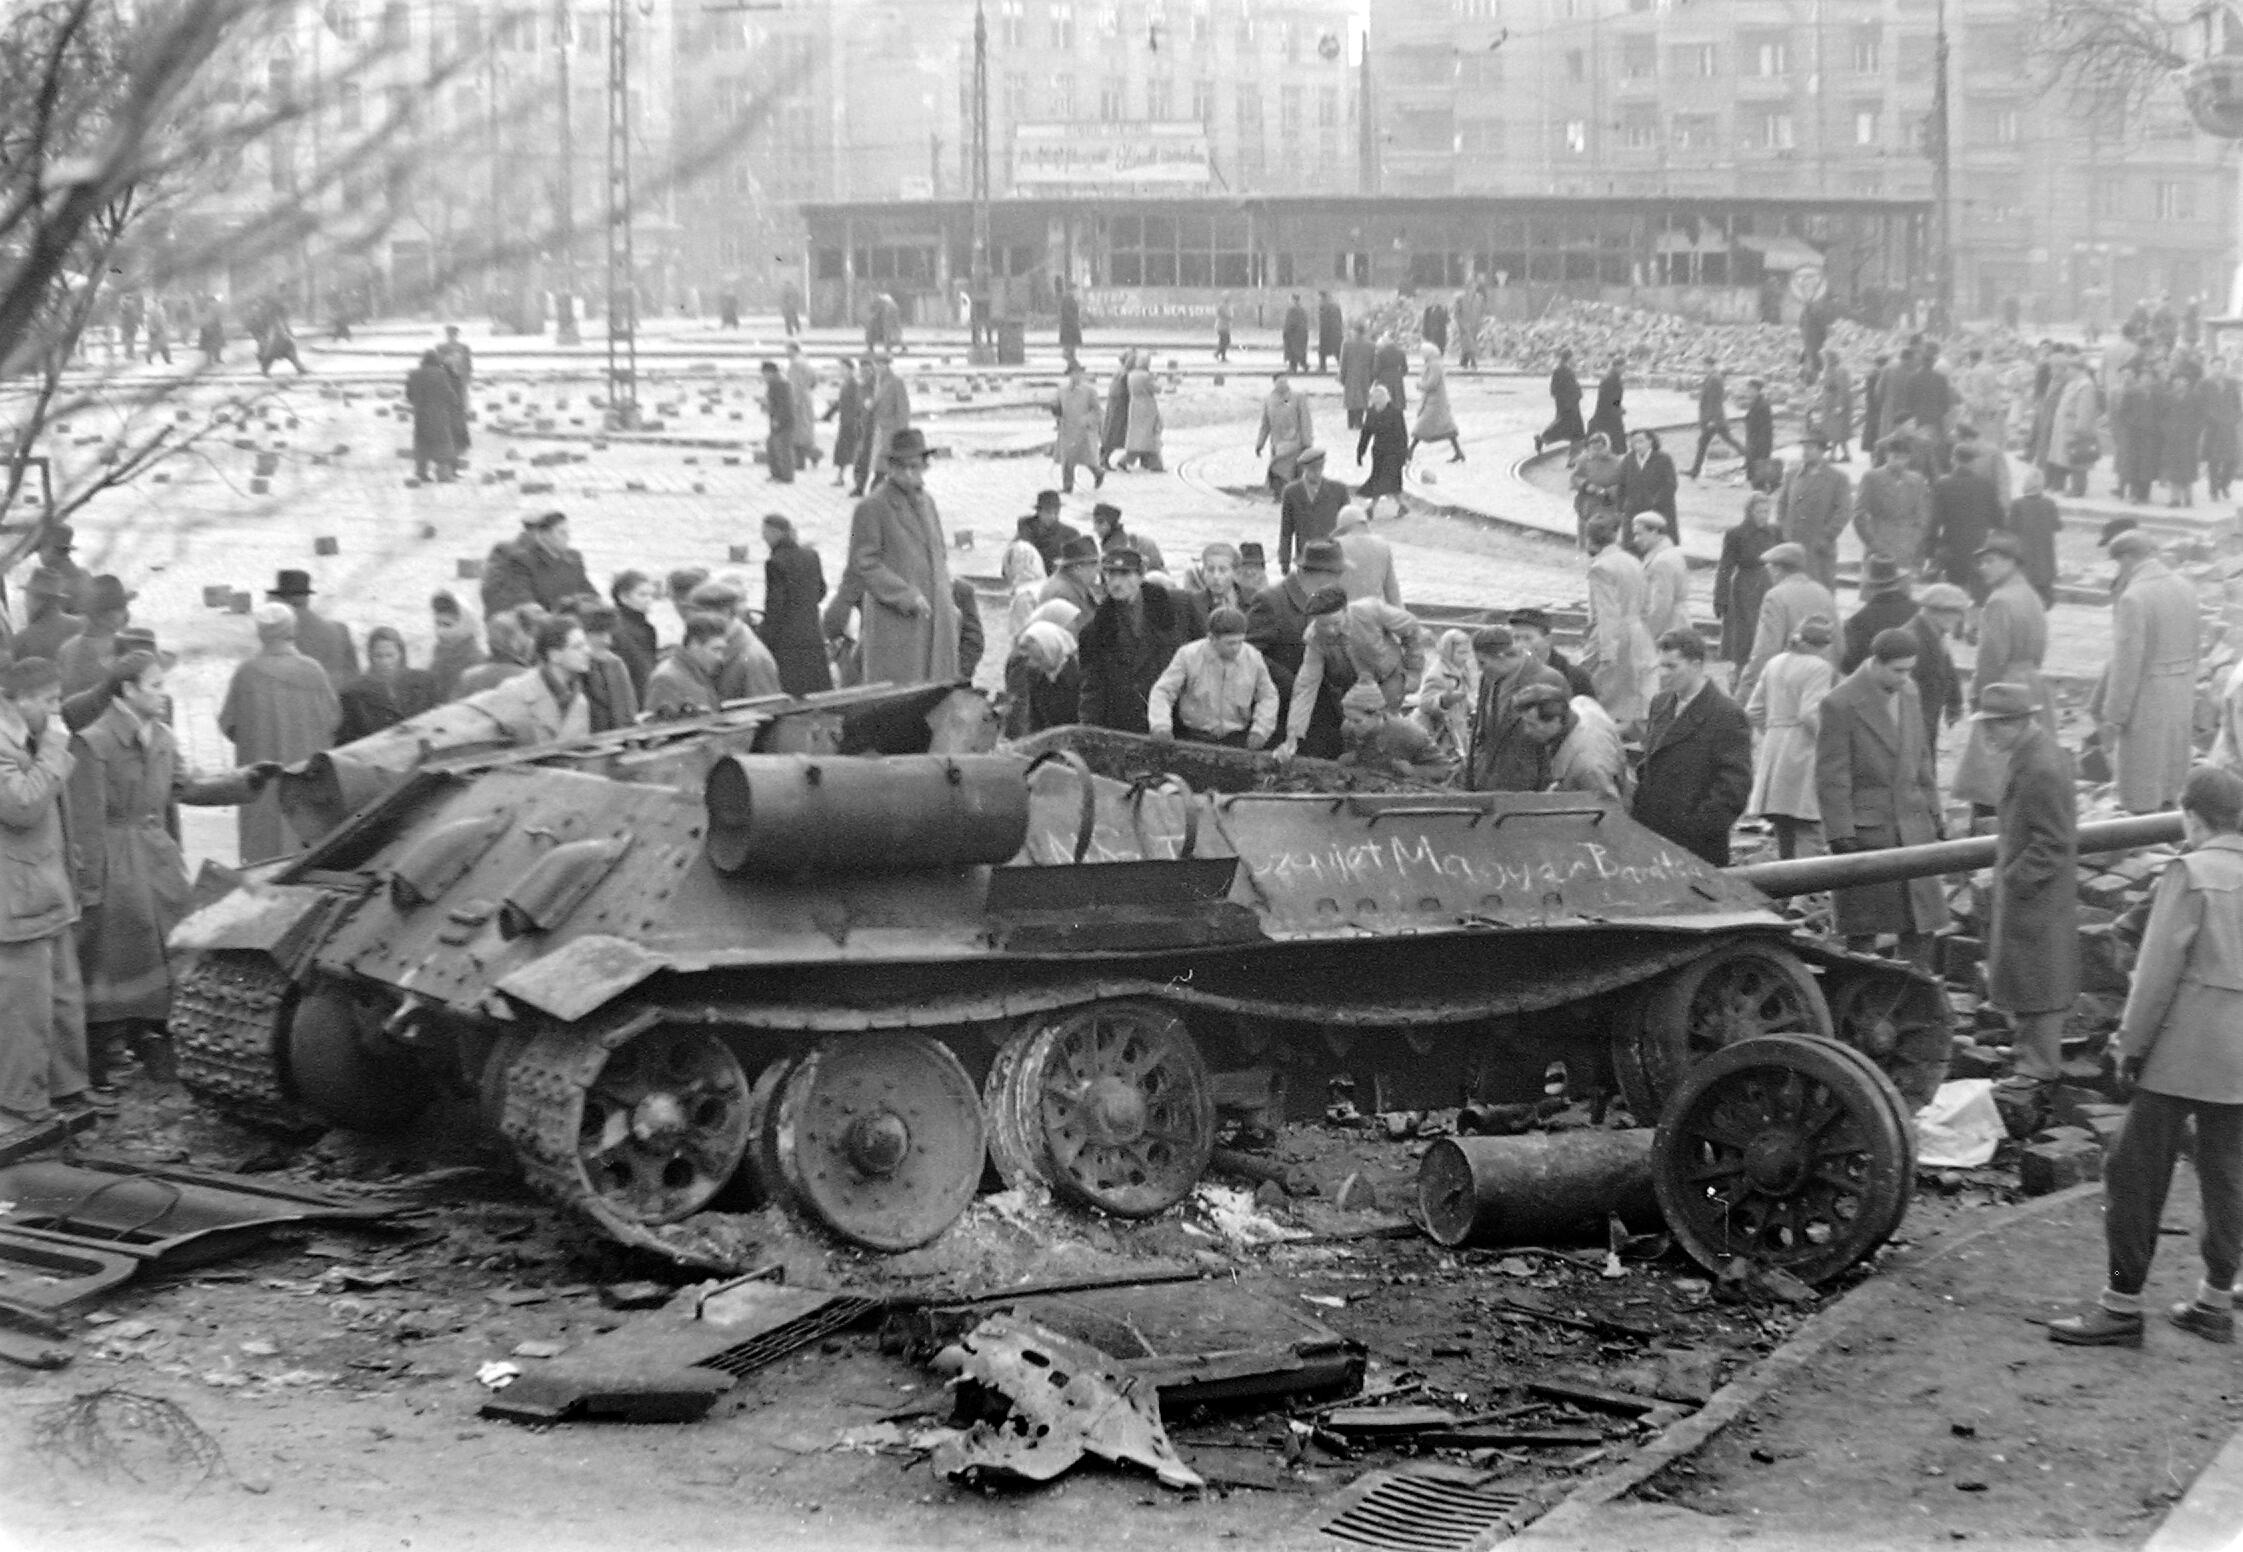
x=1100 y=158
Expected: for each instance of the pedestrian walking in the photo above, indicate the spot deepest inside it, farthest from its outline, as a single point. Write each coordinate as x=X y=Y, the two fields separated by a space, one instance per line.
x=434 y=399
x=43 y=1060
x=1436 y=422
x=1330 y=331
x=1286 y=431
x=1390 y=365
x=1814 y=507
x=1075 y=413
x=1965 y=509
x=1609 y=417
x=888 y=415
x=899 y=560
x=1740 y=581
x=847 y=411
x=279 y=707
x=1761 y=469
x=1433 y=327
x=2146 y=707
x=1697 y=754
x=1471 y=312
x=1294 y=335
x=157 y=321
x=2180 y=408
x=457 y=359
x=1885 y=605
x=779 y=414
x=2035 y=519
x=1565 y=403
x=1793 y=596
x=1355 y=374
x=1215 y=690
x=1647 y=478
x=2012 y=643
x=1618 y=652
x=390 y=691
x=2223 y=415
x=1070 y=321
x=1223 y=328
x=802 y=379
x=790 y=307
x=2073 y=440
x=1786 y=709
x=1386 y=436
x=2180 y=1059
x=1141 y=445
x=2033 y=943
x=1834 y=406
x=1597 y=471
x=1892 y=509
x=794 y=585
x=1876 y=786
x=1713 y=416
x=1308 y=509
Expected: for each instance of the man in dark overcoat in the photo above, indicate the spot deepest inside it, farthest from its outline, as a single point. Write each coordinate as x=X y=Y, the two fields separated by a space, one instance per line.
x=2033 y=948
x=1277 y=627
x=794 y=584
x=1697 y=754
x=1127 y=643
x=1876 y=788
x=538 y=567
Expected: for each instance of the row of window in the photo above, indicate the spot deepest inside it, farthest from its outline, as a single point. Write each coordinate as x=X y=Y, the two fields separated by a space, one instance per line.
x=1063 y=24
x=516 y=29
x=1158 y=99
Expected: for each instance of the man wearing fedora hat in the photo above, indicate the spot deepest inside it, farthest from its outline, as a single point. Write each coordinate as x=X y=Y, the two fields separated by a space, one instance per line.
x=538 y=566
x=50 y=601
x=899 y=559
x=326 y=642
x=1792 y=598
x=1075 y=578
x=1885 y=605
x=2012 y=641
x=83 y=660
x=55 y=555
x=2032 y=970
x=1277 y=627
x=1309 y=508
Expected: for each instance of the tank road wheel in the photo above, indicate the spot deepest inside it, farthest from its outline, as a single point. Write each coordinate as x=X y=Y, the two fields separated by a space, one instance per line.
x=879 y=1137
x=229 y=1016
x=1789 y=1152
x=1899 y=1021
x=1111 y=1105
x=1735 y=993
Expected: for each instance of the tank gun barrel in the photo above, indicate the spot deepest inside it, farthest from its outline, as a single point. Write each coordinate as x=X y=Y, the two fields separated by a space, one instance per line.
x=1810 y=875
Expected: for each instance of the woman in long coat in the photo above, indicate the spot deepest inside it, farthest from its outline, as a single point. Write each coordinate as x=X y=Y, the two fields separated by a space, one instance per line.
x=1786 y=708
x=132 y=876
x=1142 y=447
x=1608 y=417
x=1436 y=422
x=388 y=692
x=794 y=584
x=2223 y=415
x=1387 y=438
x=435 y=399
x=2180 y=414
x=847 y=411
x=1115 y=434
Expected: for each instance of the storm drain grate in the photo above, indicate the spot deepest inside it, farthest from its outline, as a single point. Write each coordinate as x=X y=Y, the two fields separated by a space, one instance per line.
x=1421 y=1511
x=838 y=1314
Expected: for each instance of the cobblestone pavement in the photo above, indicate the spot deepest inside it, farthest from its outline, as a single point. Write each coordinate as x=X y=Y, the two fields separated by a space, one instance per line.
x=1484 y=532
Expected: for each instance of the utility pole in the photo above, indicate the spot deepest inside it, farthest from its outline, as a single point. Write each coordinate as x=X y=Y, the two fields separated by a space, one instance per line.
x=979 y=304
x=564 y=306
x=1942 y=183
x=622 y=268
x=1367 y=134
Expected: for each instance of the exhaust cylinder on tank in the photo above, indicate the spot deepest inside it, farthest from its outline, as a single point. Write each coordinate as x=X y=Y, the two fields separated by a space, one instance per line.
x=790 y=814
x=1540 y=1187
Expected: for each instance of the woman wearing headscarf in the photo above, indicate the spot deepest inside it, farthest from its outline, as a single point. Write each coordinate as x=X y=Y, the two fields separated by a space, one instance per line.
x=1448 y=692
x=1786 y=707
x=388 y=692
x=1386 y=436
x=1436 y=422
x=1024 y=574
x=1043 y=678
x=1596 y=482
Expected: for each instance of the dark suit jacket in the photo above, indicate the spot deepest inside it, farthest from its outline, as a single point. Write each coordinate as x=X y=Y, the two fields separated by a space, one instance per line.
x=1697 y=772
x=1648 y=486
x=1883 y=612
x=1119 y=667
x=1502 y=758
x=1874 y=782
x=1277 y=627
x=1939 y=685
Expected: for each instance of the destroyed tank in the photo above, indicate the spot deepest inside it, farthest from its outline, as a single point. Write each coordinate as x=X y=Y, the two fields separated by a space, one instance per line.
x=849 y=954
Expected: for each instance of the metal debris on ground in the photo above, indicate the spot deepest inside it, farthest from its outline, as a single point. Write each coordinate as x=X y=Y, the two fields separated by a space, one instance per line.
x=1035 y=1403
x=108 y=1433
x=1422 y=1508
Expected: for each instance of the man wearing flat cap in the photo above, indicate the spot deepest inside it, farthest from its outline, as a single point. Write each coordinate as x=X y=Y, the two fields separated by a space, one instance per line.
x=899 y=563
x=537 y=567
x=42 y=1001
x=1793 y=597
x=1814 y=506
x=1127 y=645
x=1892 y=510
x=279 y=707
x=1309 y=509
x=326 y=642
x=1530 y=627
x=2012 y=641
x=1277 y=627
x=2032 y=970
x=2145 y=719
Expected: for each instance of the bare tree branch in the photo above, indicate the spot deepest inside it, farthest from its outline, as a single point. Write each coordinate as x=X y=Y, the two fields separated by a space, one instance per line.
x=2112 y=54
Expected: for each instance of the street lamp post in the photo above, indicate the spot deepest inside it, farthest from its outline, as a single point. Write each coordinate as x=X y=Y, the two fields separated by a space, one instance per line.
x=564 y=306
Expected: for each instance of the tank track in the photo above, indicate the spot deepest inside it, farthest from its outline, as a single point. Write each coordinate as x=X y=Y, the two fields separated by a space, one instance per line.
x=543 y=1087
x=227 y=1014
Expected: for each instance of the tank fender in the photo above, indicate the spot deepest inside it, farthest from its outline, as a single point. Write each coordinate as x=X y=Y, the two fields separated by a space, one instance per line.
x=581 y=976
x=275 y=919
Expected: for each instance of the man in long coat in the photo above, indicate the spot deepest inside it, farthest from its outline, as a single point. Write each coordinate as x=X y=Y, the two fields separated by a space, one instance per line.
x=1295 y=336
x=279 y=707
x=1876 y=788
x=1816 y=504
x=326 y=642
x=1355 y=373
x=1277 y=627
x=132 y=877
x=1618 y=651
x=2012 y=642
x=1697 y=755
x=1565 y=406
x=1965 y=508
x=1127 y=645
x=2033 y=948
x=1793 y=597
x=888 y=413
x=42 y=1003
x=794 y=584
x=1892 y=510
x=802 y=382
x=1740 y=581
x=1075 y=438
x=2148 y=700
x=1287 y=431
x=908 y=630
x=1070 y=321
x=1666 y=577
x=437 y=417
x=1330 y=328
x=1609 y=417
x=1471 y=310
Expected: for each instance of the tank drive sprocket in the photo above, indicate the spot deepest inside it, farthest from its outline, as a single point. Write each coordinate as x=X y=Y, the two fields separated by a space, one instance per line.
x=229 y=1016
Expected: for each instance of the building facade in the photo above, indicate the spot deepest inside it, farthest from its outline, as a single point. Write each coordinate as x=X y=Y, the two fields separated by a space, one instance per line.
x=2062 y=208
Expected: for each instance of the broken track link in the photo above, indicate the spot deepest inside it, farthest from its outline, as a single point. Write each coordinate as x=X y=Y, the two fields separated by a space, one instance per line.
x=229 y=1015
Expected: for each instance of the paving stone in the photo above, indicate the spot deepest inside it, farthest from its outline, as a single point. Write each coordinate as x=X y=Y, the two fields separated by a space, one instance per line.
x=2044 y=1167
